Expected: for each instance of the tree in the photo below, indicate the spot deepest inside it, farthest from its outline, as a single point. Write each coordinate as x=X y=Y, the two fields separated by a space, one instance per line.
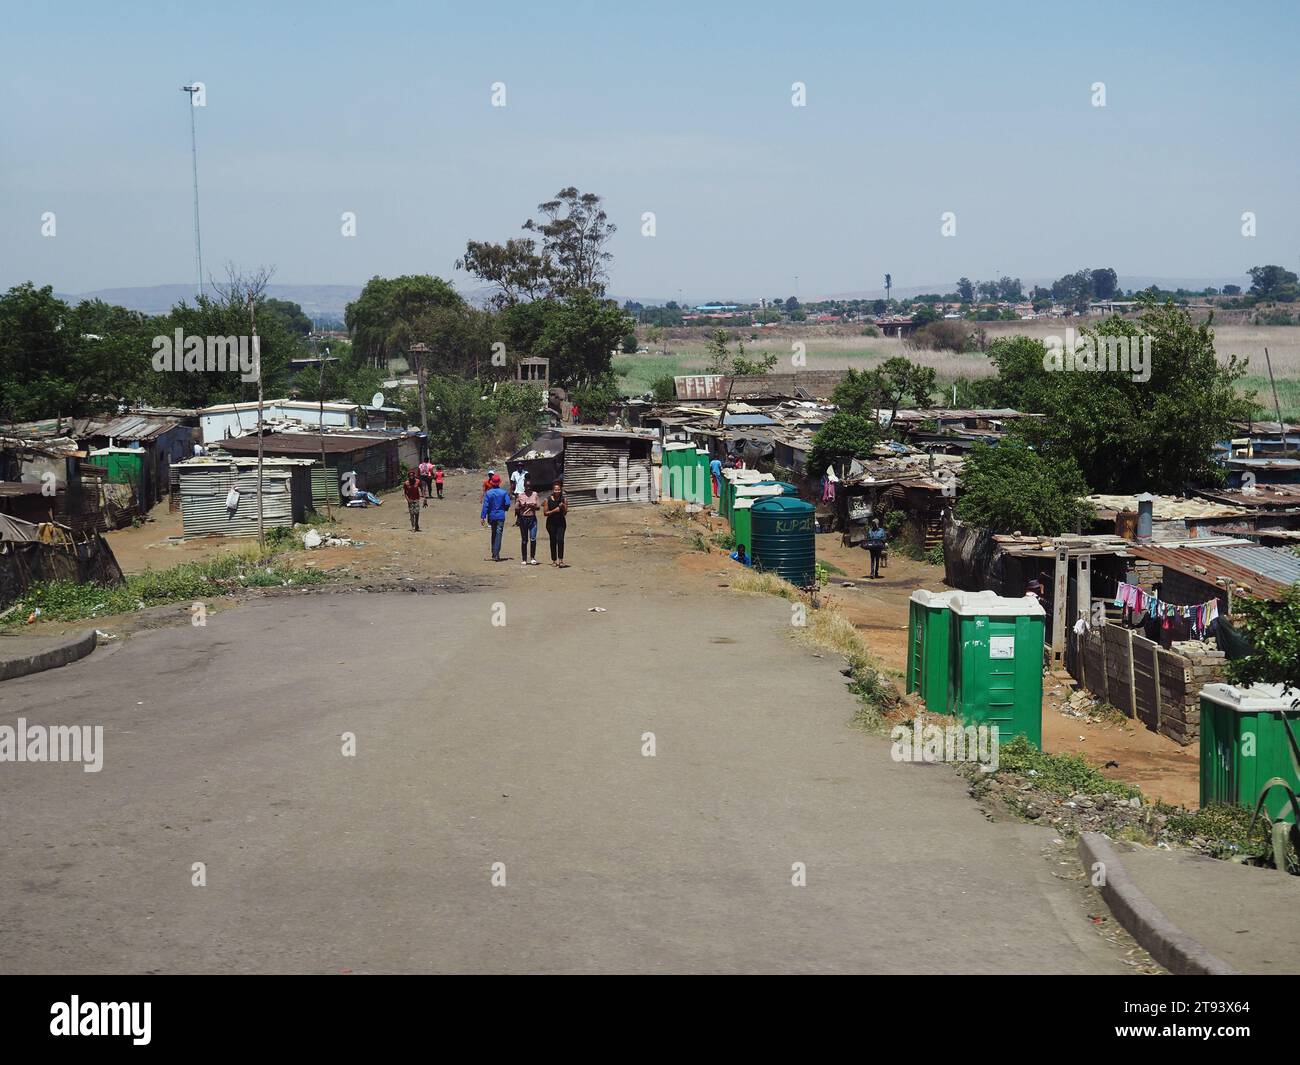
x=295 y=319
x=842 y=438
x=594 y=398
x=629 y=344
x=966 y=290
x=1010 y=290
x=1010 y=487
x=57 y=360
x=940 y=336
x=664 y=388
x=1232 y=290
x=924 y=315
x=516 y=267
x=719 y=358
x=884 y=388
x=1152 y=429
x=1273 y=630
x=381 y=318
x=1104 y=283
x=1272 y=283
x=579 y=337
x=574 y=234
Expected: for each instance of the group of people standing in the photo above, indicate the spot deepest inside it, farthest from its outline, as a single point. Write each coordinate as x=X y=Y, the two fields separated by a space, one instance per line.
x=734 y=462
x=527 y=504
x=419 y=486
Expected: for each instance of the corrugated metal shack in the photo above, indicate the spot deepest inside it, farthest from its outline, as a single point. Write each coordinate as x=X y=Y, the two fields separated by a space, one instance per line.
x=922 y=486
x=163 y=441
x=608 y=466
x=205 y=484
x=375 y=457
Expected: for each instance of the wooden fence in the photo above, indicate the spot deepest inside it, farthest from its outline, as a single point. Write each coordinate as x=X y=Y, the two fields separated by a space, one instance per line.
x=1160 y=688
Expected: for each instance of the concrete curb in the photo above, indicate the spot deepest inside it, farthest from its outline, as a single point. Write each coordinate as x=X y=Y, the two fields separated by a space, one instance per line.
x=1143 y=919
x=73 y=647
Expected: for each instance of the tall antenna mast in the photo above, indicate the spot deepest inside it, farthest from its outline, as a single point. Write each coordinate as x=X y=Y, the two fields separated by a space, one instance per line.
x=190 y=90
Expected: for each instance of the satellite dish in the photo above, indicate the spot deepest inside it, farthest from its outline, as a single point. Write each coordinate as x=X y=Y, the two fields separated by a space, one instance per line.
x=377 y=400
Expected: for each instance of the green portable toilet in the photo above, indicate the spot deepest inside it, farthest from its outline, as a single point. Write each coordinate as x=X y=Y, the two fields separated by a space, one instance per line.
x=672 y=475
x=928 y=620
x=751 y=491
x=1247 y=736
x=783 y=530
x=741 y=525
x=739 y=479
x=705 y=493
x=995 y=664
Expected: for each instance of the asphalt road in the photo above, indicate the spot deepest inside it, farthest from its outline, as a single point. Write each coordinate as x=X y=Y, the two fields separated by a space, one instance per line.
x=518 y=744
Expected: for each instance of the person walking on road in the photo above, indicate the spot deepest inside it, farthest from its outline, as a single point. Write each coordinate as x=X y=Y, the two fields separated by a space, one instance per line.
x=556 y=509
x=437 y=479
x=517 y=480
x=876 y=545
x=496 y=503
x=411 y=489
x=526 y=504
x=426 y=477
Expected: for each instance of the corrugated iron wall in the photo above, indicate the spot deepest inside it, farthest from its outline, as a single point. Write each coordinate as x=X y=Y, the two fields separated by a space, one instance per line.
x=606 y=464
x=203 y=500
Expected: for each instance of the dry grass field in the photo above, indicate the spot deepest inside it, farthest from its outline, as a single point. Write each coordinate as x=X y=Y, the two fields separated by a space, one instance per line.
x=835 y=347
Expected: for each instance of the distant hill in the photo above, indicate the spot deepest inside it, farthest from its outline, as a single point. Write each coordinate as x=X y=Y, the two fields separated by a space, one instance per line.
x=329 y=301
x=318 y=301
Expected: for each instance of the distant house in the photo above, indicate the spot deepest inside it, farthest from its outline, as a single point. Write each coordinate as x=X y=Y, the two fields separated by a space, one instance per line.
x=236 y=419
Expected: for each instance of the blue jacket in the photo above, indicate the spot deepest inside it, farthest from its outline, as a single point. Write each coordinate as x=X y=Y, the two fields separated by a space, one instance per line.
x=496 y=501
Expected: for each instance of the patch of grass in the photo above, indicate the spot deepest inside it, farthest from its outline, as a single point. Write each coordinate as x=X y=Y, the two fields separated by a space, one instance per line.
x=1061 y=774
x=283 y=538
x=1224 y=826
x=1288 y=394
x=637 y=373
x=190 y=581
x=725 y=540
x=829 y=630
x=699 y=542
x=830 y=567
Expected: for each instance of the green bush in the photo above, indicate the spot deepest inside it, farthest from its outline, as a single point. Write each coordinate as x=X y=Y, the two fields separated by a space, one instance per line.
x=190 y=581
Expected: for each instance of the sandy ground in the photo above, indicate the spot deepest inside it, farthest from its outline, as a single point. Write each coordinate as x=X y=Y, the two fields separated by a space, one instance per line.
x=649 y=554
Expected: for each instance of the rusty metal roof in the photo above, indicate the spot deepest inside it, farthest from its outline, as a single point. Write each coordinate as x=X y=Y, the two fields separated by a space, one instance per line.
x=1264 y=496
x=132 y=427
x=1262 y=578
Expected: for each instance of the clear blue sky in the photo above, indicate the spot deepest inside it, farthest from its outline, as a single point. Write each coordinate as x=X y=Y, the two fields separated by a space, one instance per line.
x=383 y=108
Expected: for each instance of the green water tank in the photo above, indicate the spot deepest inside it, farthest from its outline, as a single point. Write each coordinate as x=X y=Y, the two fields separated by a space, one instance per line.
x=995 y=664
x=787 y=489
x=783 y=530
x=1249 y=735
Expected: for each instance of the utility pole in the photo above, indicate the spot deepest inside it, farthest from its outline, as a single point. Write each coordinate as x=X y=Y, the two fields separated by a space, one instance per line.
x=320 y=426
x=190 y=91
x=1281 y=425
x=261 y=429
